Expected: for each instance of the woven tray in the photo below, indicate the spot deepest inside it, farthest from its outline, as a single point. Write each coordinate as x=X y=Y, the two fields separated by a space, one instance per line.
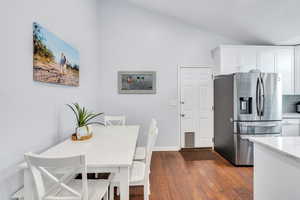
x=74 y=137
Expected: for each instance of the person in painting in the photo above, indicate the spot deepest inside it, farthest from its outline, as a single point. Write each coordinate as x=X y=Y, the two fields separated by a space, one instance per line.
x=142 y=83
x=129 y=82
x=63 y=63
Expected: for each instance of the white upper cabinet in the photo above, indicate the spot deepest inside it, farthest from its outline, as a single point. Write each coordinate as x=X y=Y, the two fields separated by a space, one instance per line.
x=227 y=58
x=285 y=67
x=266 y=59
x=247 y=59
x=297 y=70
x=242 y=58
x=230 y=59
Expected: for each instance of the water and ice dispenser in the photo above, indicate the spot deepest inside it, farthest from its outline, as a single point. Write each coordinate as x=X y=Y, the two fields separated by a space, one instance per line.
x=245 y=105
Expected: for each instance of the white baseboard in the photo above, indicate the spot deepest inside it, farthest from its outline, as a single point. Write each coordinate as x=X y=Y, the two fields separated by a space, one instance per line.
x=169 y=148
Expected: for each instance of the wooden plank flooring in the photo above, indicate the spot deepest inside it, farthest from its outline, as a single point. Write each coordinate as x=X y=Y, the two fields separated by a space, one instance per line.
x=199 y=175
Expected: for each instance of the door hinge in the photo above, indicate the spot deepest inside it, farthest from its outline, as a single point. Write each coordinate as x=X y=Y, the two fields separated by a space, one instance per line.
x=212 y=108
x=213 y=140
x=212 y=77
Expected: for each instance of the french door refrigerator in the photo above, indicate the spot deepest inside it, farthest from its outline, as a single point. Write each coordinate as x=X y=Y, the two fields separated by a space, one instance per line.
x=245 y=104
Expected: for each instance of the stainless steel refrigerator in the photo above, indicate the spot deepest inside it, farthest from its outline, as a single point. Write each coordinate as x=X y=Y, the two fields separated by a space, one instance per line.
x=245 y=104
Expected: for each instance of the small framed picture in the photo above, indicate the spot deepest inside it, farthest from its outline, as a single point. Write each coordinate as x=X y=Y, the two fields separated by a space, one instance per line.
x=137 y=82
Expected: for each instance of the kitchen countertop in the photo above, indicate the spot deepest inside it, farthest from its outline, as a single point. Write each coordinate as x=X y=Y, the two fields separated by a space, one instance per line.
x=289 y=146
x=291 y=115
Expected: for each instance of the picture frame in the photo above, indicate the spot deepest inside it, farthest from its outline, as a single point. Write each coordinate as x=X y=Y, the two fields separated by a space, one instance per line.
x=137 y=82
x=54 y=60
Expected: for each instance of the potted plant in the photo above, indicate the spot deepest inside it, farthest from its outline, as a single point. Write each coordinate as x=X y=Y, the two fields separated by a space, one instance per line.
x=83 y=120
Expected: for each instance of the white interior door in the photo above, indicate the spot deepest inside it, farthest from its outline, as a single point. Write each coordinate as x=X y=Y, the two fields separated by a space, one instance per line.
x=196 y=98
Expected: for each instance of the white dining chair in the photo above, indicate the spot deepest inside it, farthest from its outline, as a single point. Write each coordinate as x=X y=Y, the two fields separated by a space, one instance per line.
x=140 y=152
x=51 y=186
x=140 y=171
x=114 y=120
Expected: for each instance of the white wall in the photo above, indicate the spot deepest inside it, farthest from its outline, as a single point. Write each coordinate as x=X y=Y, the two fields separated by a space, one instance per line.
x=33 y=115
x=110 y=36
x=136 y=39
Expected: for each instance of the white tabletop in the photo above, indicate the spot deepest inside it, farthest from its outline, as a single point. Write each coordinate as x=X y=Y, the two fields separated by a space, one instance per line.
x=289 y=146
x=109 y=147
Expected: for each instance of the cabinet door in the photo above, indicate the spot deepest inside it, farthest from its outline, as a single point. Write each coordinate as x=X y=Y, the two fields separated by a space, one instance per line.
x=290 y=127
x=285 y=66
x=247 y=59
x=266 y=59
x=216 y=56
x=297 y=70
x=229 y=60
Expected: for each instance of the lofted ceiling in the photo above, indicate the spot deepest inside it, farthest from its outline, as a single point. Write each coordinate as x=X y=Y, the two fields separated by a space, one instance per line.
x=249 y=21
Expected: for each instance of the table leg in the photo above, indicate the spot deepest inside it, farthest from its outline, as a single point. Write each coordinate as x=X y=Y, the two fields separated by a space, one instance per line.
x=28 y=185
x=124 y=183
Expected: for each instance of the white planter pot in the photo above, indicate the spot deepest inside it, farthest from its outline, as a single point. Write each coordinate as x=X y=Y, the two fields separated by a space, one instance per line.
x=83 y=131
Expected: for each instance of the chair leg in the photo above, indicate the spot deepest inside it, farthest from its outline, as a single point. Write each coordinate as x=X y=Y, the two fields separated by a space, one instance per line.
x=118 y=191
x=149 y=187
x=111 y=192
x=146 y=192
x=105 y=196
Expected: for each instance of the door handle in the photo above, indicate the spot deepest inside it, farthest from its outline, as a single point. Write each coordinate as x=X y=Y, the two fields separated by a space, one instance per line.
x=262 y=97
x=258 y=97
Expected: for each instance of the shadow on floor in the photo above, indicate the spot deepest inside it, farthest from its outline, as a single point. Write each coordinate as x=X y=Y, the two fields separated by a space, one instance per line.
x=198 y=154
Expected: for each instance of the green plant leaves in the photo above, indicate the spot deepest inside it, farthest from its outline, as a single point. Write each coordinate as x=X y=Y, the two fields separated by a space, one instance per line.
x=83 y=116
x=93 y=116
x=77 y=119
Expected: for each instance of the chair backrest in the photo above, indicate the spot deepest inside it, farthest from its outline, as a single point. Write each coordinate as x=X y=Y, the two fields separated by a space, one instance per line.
x=152 y=136
x=114 y=120
x=42 y=171
x=151 y=130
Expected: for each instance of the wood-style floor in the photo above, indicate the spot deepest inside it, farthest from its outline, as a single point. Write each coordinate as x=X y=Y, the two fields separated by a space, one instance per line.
x=197 y=175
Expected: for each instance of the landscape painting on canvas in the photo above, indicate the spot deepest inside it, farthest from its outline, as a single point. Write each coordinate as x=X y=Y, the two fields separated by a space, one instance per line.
x=54 y=61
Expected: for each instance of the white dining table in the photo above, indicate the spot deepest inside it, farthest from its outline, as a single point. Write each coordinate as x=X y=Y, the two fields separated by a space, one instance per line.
x=111 y=149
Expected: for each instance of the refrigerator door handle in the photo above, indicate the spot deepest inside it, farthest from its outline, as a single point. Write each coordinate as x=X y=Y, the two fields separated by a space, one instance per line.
x=258 y=96
x=262 y=97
